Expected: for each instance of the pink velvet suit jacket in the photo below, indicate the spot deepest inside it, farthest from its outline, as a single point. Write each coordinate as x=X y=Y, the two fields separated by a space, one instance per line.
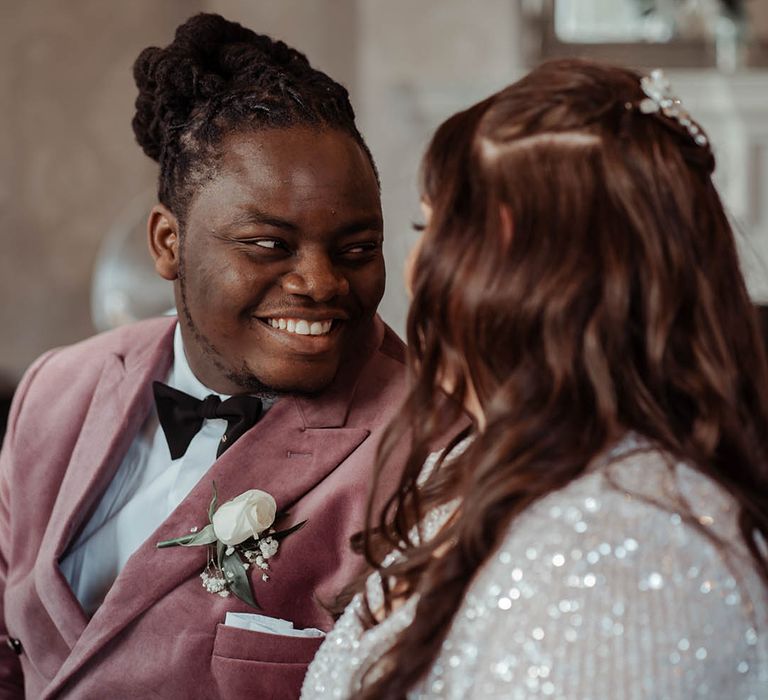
x=159 y=634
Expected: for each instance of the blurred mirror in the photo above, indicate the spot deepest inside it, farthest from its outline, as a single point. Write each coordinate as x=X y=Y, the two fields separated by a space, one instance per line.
x=726 y=34
x=601 y=21
x=125 y=286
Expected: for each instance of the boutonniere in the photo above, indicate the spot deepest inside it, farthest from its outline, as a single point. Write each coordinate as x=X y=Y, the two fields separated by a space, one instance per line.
x=239 y=535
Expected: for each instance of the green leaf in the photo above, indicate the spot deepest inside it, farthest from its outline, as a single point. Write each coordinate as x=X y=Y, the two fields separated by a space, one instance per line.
x=237 y=578
x=176 y=542
x=221 y=548
x=193 y=539
x=205 y=536
x=284 y=533
x=245 y=545
x=214 y=503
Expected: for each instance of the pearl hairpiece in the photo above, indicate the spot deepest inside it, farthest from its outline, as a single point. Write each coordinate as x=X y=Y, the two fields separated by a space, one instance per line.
x=659 y=98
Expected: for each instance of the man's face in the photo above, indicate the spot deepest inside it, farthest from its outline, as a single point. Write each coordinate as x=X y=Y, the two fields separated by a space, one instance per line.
x=280 y=261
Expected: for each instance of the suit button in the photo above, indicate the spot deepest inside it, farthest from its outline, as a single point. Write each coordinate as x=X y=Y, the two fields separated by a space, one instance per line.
x=15 y=645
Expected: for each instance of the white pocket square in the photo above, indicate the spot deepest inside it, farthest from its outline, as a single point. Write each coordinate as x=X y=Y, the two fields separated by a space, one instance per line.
x=269 y=625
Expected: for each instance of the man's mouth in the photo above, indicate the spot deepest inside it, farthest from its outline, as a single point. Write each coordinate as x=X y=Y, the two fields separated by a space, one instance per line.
x=300 y=326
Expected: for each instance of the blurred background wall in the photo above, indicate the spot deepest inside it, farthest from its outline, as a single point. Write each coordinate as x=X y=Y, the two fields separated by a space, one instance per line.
x=71 y=174
x=69 y=165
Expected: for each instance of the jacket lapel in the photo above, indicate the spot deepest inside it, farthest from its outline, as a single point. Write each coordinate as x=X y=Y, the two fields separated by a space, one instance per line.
x=291 y=450
x=119 y=405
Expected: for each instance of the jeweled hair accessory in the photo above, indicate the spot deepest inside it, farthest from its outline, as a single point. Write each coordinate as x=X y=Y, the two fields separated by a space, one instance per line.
x=660 y=99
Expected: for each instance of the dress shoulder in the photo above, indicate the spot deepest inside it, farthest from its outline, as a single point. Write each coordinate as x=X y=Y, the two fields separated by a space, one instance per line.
x=606 y=590
x=629 y=583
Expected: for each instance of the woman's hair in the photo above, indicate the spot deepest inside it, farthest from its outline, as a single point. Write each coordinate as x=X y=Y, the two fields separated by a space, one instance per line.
x=217 y=77
x=580 y=276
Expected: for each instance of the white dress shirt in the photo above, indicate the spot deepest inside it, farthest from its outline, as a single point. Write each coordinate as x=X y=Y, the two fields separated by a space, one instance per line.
x=146 y=488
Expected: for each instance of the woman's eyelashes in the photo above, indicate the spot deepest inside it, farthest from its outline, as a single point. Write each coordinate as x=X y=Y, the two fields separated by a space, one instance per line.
x=418 y=227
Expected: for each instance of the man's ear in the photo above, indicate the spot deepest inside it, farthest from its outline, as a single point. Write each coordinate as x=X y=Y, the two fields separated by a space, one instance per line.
x=164 y=241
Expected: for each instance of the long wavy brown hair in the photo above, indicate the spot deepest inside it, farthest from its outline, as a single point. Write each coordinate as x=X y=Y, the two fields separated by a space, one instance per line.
x=579 y=274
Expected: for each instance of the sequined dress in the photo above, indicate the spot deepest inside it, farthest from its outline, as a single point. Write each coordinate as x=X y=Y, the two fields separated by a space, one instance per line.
x=602 y=590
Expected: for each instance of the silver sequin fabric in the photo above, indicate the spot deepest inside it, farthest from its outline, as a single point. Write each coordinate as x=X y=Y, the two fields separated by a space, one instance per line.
x=603 y=590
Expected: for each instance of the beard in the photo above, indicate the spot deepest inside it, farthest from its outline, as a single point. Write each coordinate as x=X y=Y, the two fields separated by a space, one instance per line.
x=243 y=376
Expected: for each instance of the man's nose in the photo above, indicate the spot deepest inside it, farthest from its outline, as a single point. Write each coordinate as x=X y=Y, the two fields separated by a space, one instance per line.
x=315 y=276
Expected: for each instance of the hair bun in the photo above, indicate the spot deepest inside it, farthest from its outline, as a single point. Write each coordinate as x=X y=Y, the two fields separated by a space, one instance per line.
x=206 y=57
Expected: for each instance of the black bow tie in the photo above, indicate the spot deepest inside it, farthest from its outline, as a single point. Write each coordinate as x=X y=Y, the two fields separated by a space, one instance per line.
x=181 y=416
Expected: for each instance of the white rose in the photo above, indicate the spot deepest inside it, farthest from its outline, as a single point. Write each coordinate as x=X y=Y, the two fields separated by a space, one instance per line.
x=248 y=515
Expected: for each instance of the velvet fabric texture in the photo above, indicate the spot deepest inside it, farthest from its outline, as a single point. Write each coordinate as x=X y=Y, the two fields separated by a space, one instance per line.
x=158 y=633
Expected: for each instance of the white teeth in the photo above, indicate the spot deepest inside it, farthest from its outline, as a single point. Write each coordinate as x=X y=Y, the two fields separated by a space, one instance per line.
x=301 y=326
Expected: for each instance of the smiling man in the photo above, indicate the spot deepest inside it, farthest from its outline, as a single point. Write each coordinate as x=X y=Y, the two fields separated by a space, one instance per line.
x=272 y=389
x=294 y=219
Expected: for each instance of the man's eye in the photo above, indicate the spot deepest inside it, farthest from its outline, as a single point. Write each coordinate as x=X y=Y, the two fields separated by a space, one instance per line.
x=360 y=249
x=267 y=243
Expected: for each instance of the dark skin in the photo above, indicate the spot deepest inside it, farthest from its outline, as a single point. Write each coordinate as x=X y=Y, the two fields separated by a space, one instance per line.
x=280 y=269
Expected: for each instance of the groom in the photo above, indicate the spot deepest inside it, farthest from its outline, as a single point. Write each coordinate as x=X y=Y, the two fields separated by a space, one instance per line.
x=278 y=376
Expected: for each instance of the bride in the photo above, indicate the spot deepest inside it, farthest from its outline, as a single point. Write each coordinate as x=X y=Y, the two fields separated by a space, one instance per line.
x=600 y=532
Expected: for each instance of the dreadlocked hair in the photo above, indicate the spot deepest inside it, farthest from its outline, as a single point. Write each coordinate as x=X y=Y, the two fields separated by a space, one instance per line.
x=217 y=77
